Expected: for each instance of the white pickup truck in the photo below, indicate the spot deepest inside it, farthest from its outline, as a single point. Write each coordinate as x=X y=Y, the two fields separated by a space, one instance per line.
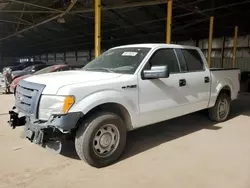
x=127 y=87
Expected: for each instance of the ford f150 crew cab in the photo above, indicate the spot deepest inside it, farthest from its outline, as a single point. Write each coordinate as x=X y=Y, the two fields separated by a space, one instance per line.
x=127 y=87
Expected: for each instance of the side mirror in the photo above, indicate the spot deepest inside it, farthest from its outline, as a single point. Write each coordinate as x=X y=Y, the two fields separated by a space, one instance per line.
x=156 y=72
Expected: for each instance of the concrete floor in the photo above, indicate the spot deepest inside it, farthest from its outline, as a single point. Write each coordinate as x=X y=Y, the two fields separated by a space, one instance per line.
x=186 y=152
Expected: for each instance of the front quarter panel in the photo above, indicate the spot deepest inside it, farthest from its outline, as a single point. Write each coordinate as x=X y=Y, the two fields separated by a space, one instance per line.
x=109 y=96
x=90 y=95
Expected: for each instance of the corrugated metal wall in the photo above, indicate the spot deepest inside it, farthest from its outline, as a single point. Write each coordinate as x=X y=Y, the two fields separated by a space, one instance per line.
x=242 y=63
x=84 y=57
x=79 y=57
x=242 y=54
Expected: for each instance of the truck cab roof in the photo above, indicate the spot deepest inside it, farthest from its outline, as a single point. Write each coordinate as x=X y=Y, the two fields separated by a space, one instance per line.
x=157 y=45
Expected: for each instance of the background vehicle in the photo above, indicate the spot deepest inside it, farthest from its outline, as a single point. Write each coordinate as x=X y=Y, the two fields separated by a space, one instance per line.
x=7 y=73
x=51 y=68
x=126 y=88
x=23 y=65
x=2 y=81
x=11 y=64
x=28 y=70
x=7 y=79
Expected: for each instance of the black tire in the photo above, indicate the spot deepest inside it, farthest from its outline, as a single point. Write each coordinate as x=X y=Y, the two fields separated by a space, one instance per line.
x=213 y=112
x=87 y=133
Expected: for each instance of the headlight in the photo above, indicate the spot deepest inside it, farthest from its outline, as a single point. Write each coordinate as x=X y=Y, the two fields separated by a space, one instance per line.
x=54 y=105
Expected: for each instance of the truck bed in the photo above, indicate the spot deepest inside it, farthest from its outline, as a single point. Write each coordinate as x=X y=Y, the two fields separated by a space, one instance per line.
x=222 y=69
x=230 y=76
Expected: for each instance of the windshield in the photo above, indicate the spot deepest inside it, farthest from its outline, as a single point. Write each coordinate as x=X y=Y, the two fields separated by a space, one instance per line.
x=120 y=60
x=45 y=70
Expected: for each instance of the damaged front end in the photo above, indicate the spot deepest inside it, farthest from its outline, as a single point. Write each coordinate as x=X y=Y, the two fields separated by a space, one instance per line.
x=25 y=113
x=37 y=132
x=15 y=121
x=42 y=132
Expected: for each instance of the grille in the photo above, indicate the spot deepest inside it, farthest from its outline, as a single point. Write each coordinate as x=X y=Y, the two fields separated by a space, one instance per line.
x=27 y=97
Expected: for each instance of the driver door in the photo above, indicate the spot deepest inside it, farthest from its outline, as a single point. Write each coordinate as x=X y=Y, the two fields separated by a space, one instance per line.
x=161 y=99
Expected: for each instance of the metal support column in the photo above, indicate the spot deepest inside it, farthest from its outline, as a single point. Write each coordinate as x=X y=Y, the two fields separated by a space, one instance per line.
x=169 y=22
x=223 y=51
x=90 y=55
x=211 y=27
x=64 y=57
x=55 y=57
x=1 y=60
x=97 y=28
x=235 y=44
x=197 y=43
x=76 y=55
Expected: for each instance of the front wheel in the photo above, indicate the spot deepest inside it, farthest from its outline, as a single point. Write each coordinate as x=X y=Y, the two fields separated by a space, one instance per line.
x=221 y=109
x=101 y=139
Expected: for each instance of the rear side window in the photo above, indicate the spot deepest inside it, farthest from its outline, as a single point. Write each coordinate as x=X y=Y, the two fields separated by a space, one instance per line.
x=193 y=60
x=165 y=57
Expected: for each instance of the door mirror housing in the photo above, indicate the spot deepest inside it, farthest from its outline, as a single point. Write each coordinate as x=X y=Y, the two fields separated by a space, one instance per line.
x=156 y=72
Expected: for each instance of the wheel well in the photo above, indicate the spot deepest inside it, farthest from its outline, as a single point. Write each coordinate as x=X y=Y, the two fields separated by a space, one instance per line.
x=227 y=90
x=115 y=108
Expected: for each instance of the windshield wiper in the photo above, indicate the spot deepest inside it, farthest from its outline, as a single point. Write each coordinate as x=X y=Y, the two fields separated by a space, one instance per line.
x=100 y=68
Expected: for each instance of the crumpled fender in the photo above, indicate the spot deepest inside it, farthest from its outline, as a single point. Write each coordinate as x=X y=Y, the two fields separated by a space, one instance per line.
x=102 y=97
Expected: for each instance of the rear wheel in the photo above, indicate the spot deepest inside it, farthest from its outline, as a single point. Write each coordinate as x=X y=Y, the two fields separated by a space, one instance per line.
x=221 y=109
x=101 y=139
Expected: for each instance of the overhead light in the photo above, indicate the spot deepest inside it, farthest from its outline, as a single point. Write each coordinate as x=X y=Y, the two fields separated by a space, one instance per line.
x=61 y=20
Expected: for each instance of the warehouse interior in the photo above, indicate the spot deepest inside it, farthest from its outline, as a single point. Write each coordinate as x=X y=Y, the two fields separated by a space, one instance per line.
x=64 y=30
x=187 y=146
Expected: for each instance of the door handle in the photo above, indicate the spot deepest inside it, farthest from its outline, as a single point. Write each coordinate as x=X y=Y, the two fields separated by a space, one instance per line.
x=206 y=79
x=182 y=82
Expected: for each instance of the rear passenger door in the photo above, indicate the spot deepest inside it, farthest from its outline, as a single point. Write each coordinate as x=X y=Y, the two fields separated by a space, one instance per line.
x=197 y=77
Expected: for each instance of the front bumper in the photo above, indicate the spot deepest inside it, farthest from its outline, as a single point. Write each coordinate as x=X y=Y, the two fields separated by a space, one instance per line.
x=40 y=132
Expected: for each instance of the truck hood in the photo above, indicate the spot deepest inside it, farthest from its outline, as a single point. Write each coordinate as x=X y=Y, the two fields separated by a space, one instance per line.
x=55 y=81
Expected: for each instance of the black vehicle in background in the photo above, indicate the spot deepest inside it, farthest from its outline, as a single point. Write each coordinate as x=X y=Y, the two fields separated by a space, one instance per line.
x=28 y=70
x=23 y=65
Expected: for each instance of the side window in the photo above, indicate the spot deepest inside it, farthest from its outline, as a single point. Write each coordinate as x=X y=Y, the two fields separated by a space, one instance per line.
x=193 y=60
x=165 y=57
x=182 y=61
